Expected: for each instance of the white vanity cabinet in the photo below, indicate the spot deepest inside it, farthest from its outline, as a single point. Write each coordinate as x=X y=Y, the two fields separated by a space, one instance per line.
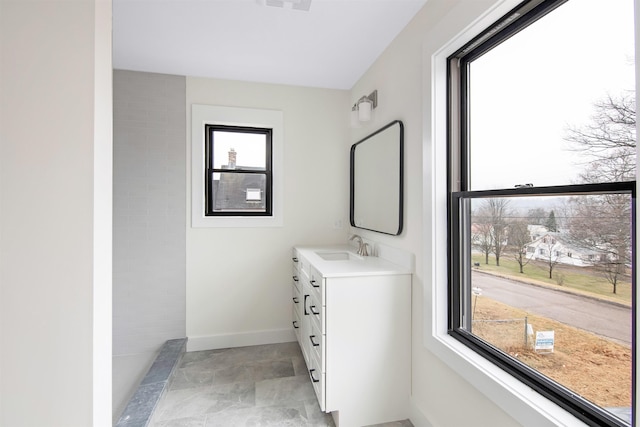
x=354 y=329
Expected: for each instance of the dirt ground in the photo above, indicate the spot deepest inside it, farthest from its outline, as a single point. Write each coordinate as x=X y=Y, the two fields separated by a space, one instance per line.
x=595 y=368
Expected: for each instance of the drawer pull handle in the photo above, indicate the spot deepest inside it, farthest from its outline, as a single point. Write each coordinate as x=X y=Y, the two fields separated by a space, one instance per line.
x=294 y=259
x=311 y=371
x=305 y=305
x=295 y=324
x=313 y=283
x=295 y=278
x=295 y=299
x=311 y=337
x=313 y=311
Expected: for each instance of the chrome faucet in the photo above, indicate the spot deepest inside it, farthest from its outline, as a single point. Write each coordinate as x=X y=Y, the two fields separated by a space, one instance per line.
x=362 y=247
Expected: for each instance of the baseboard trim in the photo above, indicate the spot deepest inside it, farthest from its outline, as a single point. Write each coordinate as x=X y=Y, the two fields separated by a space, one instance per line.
x=418 y=418
x=243 y=339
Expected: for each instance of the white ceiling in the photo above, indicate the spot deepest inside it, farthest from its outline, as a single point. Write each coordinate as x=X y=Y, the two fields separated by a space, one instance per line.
x=329 y=46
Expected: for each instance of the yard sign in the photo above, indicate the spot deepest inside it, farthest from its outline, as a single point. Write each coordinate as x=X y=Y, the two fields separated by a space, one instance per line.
x=544 y=341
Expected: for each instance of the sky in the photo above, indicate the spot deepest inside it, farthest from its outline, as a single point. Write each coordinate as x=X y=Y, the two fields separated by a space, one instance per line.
x=543 y=80
x=249 y=148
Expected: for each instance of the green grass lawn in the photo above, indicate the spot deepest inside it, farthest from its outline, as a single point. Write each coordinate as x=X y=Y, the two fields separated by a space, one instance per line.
x=584 y=279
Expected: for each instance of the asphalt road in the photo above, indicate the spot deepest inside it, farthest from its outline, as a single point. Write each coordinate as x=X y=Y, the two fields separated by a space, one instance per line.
x=602 y=318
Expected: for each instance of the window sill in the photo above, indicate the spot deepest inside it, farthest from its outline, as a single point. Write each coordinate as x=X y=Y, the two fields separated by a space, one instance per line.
x=516 y=399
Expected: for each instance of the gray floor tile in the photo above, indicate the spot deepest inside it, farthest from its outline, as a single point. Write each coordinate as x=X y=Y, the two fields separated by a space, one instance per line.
x=264 y=385
x=194 y=402
x=403 y=423
x=244 y=355
x=272 y=369
x=281 y=416
x=181 y=422
x=199 y=358
x=288 y=349
x=191 y=377
x=299 y=366
x=255 y=371
x=315 y=416
x=281 y=390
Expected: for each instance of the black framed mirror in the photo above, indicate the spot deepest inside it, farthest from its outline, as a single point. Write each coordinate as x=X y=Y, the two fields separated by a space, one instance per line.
x=377 y=170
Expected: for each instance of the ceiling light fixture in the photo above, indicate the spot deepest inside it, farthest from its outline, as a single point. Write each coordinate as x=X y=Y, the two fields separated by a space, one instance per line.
x=362 y=110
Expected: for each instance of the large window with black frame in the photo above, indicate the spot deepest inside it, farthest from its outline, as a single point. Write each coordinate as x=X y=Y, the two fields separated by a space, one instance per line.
x=542 y=170
x=238 y=174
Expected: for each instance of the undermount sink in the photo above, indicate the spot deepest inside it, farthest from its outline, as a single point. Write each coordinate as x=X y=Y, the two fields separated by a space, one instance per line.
x=338 y=256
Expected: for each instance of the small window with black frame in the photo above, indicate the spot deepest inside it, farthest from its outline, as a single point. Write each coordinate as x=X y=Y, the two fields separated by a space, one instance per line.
x=542 y=170
x=238 y=177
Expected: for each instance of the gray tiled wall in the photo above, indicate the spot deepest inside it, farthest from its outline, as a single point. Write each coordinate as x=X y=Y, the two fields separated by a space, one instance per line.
x=149 y=204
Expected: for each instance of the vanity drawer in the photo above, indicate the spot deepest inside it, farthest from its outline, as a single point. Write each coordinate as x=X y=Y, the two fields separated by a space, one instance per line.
x=316 y=311
x=297 y=326
x=297 y=285
x=297 y=298
x=318 y=380
x=295 y=273
x=295 y=263
x=300 y=263
x=316 y=280
x=317 y=343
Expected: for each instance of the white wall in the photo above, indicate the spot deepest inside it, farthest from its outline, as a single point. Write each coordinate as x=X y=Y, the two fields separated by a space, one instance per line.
x=55 y=211
x=239 y=279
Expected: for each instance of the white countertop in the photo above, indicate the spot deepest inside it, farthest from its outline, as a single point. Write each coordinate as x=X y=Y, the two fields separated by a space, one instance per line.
x=364 y=266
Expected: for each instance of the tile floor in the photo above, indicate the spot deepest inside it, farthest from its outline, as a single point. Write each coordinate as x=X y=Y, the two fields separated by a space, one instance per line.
x=264 y=385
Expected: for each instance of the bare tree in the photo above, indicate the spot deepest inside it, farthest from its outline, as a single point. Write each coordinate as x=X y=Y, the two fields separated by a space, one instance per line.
x=602 y=223
x=482 y=237
x=609 y=140
x=612 y=271
x=552 y=255
x=499 y=213
x=490 y=227
x=519 y=240
x=497 y=210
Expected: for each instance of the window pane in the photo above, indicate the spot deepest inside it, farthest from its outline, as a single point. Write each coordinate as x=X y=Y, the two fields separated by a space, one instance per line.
x=544 y=102
x=239 y=192
x=239 y=150
x=549 y=284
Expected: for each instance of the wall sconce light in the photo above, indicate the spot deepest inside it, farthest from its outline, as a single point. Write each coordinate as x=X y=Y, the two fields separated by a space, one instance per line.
x=362 y=109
